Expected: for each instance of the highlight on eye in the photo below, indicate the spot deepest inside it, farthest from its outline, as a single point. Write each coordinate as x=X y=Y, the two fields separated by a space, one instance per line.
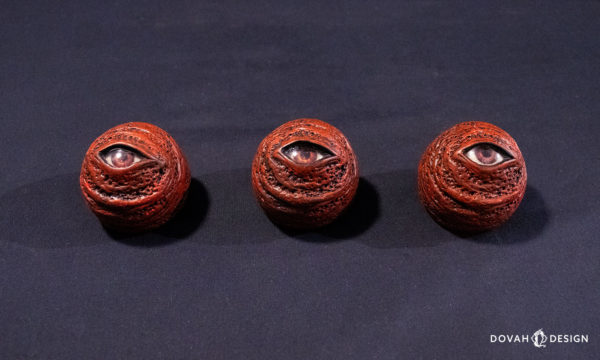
x=305 y=152
x=120 y=157
x=487 y=154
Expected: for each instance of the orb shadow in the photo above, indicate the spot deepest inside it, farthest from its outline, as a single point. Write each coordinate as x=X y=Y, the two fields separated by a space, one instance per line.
x=396 y=220
x=51 y=213
x=360 y=215
x=180 y=227
x=527 y=223
x=234 y=218
x=404 y=223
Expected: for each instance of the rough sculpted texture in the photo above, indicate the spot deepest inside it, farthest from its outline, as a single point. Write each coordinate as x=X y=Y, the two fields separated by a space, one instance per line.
x=304 y=174
x=134 y=177
x=472 y=177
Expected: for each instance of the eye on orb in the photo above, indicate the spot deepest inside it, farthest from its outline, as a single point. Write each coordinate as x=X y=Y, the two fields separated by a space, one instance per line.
x=486 y=154
x=305 y=152
x=120 y=157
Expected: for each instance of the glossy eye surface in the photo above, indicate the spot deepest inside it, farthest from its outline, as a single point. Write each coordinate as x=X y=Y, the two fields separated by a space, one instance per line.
x=120 y=157
x=304 y=152
x=487 y=154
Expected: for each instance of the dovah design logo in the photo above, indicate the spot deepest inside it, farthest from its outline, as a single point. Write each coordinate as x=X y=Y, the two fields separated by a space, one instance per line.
x=539 y=339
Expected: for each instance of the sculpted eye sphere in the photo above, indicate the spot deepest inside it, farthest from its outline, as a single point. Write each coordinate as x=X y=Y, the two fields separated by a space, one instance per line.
x=121 y=158
x=304 y=152
x=486 y=154
x=472 y=177
x=134 y=177
x=304 y=174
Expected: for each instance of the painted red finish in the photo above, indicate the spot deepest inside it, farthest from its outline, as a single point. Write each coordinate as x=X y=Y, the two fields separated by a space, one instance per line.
x=134 y=177
x=472 y=177
x=304 y=174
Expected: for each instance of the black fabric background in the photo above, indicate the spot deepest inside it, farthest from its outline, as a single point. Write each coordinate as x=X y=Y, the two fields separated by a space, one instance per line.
x=222 y=282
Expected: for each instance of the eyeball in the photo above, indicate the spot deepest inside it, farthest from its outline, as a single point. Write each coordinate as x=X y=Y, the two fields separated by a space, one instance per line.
x=487 y=154
x=120 y=157
x=305 y=152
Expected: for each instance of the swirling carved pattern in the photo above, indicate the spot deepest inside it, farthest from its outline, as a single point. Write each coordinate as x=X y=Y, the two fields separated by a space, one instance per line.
x=304 y=195
x=462 y=195
x=142 y=196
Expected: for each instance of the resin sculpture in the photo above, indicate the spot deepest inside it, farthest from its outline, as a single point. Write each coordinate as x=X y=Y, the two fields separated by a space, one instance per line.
x=304 y=174
x=134 y=177
x=472 y=177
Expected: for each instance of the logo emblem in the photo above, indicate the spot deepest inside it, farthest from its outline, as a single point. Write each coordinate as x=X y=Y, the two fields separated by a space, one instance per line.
x=539 y=339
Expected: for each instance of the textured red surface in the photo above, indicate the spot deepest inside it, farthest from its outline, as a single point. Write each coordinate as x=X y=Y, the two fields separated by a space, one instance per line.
x=462 y=195
x=140 y=196
x=304 y=191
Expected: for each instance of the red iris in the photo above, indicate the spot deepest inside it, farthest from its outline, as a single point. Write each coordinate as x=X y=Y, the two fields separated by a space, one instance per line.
x=120 y=158
x=485 y=154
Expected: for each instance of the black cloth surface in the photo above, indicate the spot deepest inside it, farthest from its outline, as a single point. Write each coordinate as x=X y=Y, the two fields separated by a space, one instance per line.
x=221 y=281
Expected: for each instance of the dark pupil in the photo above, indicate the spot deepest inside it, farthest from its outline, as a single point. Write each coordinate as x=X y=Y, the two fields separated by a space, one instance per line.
x=121 y=158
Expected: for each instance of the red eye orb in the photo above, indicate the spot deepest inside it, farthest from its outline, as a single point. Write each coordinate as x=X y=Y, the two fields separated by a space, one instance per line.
x=472 y=177
x=134 y=177
x=304 y=174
